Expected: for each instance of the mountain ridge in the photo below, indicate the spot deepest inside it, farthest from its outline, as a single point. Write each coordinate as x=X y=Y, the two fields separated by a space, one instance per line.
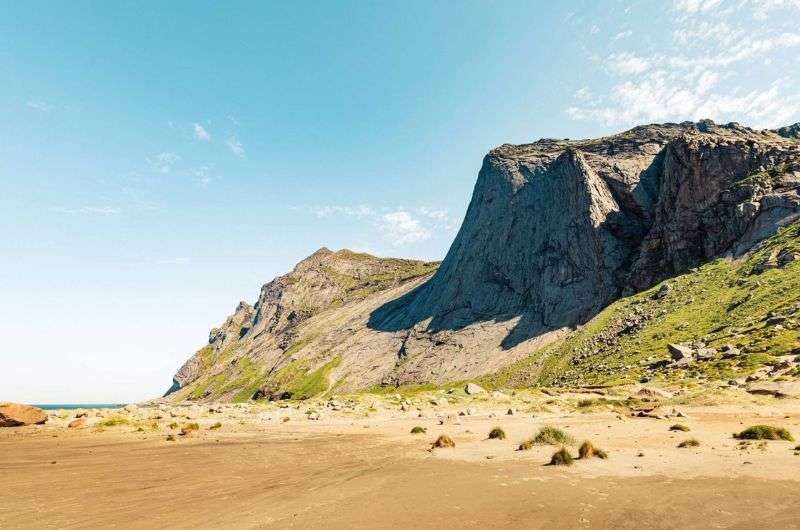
x=556 y=230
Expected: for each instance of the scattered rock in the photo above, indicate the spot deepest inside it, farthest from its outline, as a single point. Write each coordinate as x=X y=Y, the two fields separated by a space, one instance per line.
x=77 y=424
x=15 y=414
x=778 y=389
x=472 y=389
x=651 y=392
x=679 y=352
x=663 y=291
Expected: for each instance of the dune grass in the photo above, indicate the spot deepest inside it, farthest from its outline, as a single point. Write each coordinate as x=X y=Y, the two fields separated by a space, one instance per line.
x=561 y=458
x=549 y=435
x=588 y=450
x=764 y=432
x=497 y=434
x=419 y=430
x=680 y=427
x=444 y=441
x=691 y=442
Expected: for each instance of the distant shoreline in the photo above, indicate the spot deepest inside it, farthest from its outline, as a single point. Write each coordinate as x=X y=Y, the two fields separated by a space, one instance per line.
x=72 y=406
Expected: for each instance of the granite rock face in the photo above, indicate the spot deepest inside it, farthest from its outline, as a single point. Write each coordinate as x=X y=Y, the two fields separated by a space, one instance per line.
x=555 y=231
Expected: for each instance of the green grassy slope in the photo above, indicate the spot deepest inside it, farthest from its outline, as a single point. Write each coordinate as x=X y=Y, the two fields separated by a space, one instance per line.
x=723 y=302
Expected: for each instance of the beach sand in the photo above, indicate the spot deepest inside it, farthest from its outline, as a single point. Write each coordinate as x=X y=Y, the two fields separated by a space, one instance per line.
x=349 y=471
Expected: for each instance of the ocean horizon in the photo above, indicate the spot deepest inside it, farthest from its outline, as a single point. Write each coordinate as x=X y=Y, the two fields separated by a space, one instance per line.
x=72 y=406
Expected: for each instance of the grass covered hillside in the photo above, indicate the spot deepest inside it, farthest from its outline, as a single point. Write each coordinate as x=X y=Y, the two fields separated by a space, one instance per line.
x=727 y=320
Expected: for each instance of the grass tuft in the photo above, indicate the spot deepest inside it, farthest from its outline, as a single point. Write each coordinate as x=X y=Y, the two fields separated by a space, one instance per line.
x=527 y=445
x=691 y=442
x=419 y=430
x=549 y=435
x=764 y=432
x=189 y=428
x=497 y=434
x=444 y=441
x=216 y=426
x=561 y=458
x=680 y=427
x=587 y=450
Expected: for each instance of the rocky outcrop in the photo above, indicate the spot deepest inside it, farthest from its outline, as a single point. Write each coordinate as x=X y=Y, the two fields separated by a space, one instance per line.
x=15 y=414
x=558 y=229
x=555 y=231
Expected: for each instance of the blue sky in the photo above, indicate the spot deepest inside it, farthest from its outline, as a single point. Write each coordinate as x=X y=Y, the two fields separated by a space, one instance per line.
x=160 y=161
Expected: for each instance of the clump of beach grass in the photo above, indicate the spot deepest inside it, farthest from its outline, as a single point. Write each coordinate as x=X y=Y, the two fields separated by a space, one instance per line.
x=189 y=428
x=216 y=426
x=561 y=458
x=497 y=434
x=764 y=432
x=691 y=442
x=443 y=441
x=588 y=450
x=419 y=430
x=680 y=427
x=549 y=435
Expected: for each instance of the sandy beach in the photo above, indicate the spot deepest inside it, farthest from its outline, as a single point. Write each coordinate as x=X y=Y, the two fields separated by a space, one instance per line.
x=350 y=469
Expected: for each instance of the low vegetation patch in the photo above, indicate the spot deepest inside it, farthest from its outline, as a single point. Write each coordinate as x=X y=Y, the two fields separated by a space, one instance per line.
x=113 y=421
x=526 y=445
x=216 y=426
x=691 y=442
x=587 y=450
x=764 y=432
x=497 y=434
x=444 y=441
x=171 y=438
x=549 y=435
x=189 y=428
x=680 y=427
x=419 y=430
x=561 y=458
x=173 y=425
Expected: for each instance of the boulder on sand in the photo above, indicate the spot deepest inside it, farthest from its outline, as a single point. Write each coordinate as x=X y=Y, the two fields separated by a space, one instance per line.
x=14 y=414
x=472 y=389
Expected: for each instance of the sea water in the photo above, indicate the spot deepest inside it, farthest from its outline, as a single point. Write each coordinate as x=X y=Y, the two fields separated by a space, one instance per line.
x=72 y=406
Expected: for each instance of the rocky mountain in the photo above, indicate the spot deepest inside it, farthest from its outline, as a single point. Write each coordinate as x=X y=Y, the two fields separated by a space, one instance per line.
x=556 y=231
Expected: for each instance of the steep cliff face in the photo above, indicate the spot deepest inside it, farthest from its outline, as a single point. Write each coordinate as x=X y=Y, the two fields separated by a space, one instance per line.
x=555 y=231
x=558 y=229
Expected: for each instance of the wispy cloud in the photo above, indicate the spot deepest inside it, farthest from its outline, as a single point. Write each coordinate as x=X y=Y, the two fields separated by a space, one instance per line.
x=401 y=228
x=360 y=211
x=40 y=106
x=397 y=226
x=203 y=175
x=236 y=147
x=173 y=261
x=163 y=162
x=89 y=210
x=699 y=74
x=201 y=133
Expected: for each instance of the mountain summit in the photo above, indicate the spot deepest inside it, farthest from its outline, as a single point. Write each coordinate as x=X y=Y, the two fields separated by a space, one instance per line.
x=556 y=230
